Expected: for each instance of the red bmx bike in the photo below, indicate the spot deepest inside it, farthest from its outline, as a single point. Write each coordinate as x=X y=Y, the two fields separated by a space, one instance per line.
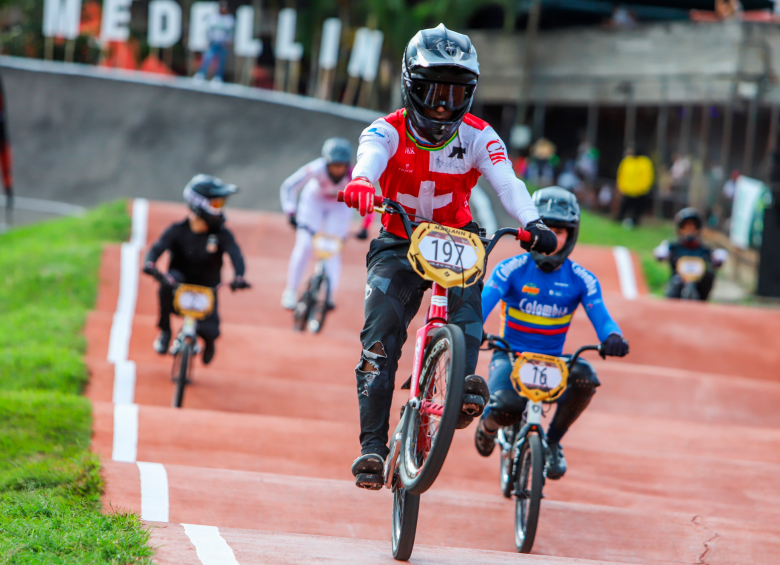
x=448 y=257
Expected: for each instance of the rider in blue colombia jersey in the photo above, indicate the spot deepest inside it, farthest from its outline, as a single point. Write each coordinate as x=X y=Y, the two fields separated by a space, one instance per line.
x=538 y=295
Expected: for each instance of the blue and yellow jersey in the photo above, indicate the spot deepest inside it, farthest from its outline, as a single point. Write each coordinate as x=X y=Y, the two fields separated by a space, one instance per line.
x=537 y=307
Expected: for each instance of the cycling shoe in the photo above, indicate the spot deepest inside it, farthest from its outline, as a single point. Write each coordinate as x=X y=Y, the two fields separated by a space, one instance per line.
x=556 y=462
x=484 y=440
x=368 y=471
x=208 y=351
x=162 y=342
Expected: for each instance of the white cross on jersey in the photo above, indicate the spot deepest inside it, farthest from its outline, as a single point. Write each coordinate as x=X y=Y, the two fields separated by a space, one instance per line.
x=425 y=202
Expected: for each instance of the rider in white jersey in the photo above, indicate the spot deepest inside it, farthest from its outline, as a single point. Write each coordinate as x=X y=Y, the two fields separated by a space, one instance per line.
x=317 y=211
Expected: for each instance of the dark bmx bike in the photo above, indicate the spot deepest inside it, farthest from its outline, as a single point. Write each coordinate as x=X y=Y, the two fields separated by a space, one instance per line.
x=541 y=379
x=194 y=303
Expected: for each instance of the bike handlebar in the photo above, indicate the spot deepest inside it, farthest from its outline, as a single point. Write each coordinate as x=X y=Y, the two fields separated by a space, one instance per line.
x=393 y=207
x=495 y=342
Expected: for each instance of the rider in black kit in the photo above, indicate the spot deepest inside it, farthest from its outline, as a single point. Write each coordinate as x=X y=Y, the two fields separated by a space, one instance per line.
x=196 y=246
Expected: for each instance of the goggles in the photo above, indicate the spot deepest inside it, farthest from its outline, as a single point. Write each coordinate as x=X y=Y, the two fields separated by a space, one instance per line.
x=433 y=95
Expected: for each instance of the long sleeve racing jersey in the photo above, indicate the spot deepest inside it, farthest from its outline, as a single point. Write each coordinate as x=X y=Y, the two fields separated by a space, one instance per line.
x=436 y=182
x=537 y=307
x=197 y=256
x=314 y=180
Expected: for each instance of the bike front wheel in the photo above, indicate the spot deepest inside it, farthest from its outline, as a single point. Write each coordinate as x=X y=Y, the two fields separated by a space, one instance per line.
x=320 y=291
x=528 y=492
x=405 y=509
x=507 y=462
x=431 y=424
x=182 y=363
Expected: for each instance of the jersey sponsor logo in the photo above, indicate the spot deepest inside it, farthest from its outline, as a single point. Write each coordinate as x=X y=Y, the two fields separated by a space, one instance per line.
x=458 y=152
x=560 y=284
x=495 y=151
x=368 y=291
x=409 y=150
x=376 y=131
x=407 y=168
x=506 y=269
x=591 y=283
x=544 y=310
x=531 y=289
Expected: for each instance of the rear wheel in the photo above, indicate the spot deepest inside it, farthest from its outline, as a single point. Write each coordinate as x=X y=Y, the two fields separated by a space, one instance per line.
x=320 y=290
x=528 y=492
x=405 y=509
x=426 y=435
x=182 y=363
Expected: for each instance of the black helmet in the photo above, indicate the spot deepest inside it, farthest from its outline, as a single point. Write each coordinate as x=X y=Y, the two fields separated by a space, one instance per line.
x=337 y=150
x=206 y=196
x=688 y=214
x=691 y=241
x=558 y=208
x=440 y=68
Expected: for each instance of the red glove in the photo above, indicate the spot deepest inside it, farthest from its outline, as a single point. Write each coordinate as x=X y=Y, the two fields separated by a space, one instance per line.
x=359 y=194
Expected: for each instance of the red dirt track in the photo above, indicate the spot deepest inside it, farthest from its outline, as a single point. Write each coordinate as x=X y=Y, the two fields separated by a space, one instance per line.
x=676 y=461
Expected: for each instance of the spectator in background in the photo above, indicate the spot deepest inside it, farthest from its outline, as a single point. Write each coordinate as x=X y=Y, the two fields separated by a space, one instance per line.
x=220 y=36
x=680 y=172
x=622 y=18
x=635 y=178
x=541 y=165
x=569 y=179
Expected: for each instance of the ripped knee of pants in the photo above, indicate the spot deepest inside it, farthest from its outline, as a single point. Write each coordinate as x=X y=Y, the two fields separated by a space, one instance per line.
x=369 y=367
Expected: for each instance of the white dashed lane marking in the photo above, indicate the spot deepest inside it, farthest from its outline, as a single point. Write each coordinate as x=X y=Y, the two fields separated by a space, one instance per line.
x=626 y=275
x=211 y=547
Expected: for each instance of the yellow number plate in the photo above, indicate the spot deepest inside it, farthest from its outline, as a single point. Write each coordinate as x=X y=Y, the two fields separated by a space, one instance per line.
x=691 y=269
x=326 y=246
x=447 y=256
x=194 y=301
x=539 y=377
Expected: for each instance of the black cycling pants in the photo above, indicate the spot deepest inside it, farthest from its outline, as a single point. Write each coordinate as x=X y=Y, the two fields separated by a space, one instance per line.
x=208 y=328
x=393 y=295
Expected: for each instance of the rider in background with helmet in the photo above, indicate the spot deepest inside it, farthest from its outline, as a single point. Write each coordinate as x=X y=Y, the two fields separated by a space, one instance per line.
x=538 y=295
x=427 y=157
x=317 y=210
x=688 y=223
x=196 y=246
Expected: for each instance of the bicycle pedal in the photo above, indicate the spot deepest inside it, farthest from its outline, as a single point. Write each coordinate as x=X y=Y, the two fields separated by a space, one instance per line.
x=370 y=481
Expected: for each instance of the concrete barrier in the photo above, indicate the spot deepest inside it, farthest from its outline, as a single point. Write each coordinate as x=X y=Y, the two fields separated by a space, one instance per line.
x=83 y=134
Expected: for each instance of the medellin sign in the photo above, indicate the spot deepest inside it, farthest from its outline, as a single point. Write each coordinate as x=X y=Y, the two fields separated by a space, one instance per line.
x=61 y=18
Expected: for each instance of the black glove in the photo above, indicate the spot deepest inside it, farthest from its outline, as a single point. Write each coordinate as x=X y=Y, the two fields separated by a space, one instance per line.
x=239 y=283
x=362 y=234
x=543 y=239
x=292 y=220
x=149 y=268
x=614 y=346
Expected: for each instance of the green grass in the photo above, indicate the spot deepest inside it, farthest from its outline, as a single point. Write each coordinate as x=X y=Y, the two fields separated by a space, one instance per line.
x=596 y=229
x=50 y=484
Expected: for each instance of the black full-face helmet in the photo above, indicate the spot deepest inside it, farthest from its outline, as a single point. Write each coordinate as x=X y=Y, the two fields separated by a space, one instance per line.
x=689 y=215
x=558 y=208
x=440 y=68
x=206 y=196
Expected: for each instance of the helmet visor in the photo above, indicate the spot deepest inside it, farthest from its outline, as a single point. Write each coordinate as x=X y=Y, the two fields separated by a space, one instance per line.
x=433 y=95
